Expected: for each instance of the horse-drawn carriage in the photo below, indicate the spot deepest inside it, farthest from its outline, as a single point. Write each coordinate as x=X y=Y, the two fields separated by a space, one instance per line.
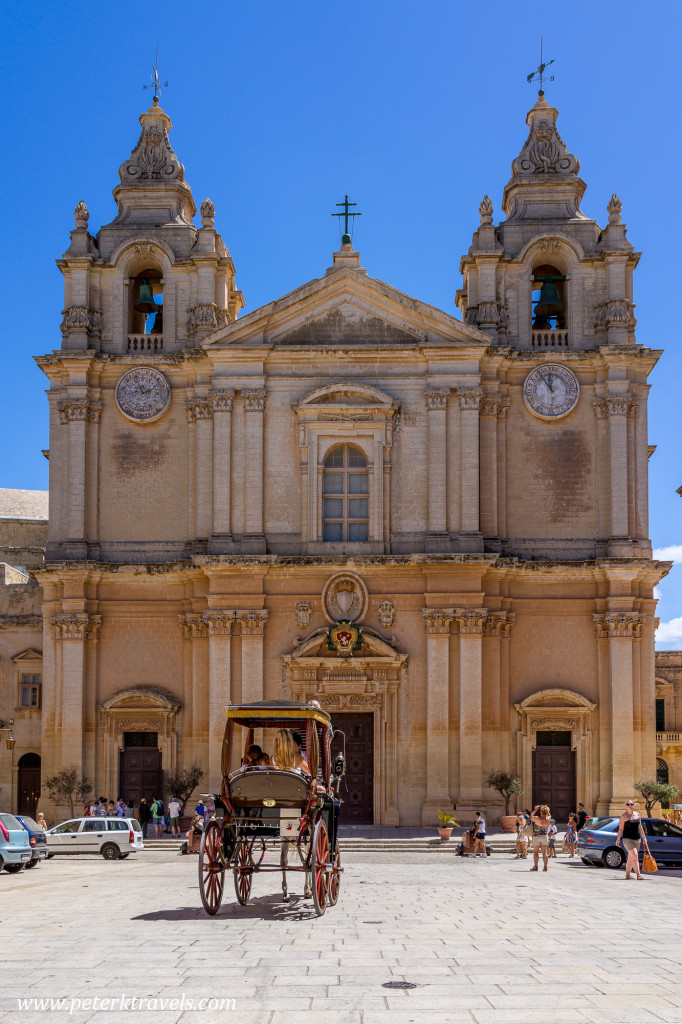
x=263 y=807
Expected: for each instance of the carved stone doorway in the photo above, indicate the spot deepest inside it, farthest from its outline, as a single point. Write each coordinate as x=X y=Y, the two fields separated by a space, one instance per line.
x=357 y=786
x=28 y=784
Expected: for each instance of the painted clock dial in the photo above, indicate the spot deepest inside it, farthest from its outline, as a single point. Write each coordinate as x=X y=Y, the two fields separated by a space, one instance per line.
x=551 y=391
x=143 y=394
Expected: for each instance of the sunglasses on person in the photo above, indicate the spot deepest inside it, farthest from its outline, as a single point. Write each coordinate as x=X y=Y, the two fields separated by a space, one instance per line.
x=630 y=803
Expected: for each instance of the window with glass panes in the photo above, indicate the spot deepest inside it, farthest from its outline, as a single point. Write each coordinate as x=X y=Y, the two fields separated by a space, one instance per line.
x=345 y=495
x=30 y=691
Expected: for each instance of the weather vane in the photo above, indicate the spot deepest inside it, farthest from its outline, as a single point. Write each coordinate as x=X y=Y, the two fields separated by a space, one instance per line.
x=539 y=73
x=345 y=238
x=156 y=84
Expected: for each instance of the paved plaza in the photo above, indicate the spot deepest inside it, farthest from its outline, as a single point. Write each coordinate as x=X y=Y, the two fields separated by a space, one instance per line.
x=482 y=941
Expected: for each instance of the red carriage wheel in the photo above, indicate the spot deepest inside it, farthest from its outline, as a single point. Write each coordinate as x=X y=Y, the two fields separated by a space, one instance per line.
x=334 y=878
x=243 y=871
x=211 y=868
x=320 y=857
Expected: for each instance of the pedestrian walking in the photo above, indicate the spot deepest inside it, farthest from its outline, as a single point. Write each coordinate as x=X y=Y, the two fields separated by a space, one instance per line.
x=174 y=811
x=630 y=830
x=582 y=816
x=551 y=838
x=541 y=820
x=479 y=845
x=571 y=833
x=145 y=816
x=157 y=816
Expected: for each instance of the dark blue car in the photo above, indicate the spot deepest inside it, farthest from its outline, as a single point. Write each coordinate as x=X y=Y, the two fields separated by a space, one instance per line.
x=37 y=839
x=597 y=842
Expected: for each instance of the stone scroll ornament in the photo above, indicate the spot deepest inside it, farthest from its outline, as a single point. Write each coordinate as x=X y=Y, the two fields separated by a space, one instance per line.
x=344 y=638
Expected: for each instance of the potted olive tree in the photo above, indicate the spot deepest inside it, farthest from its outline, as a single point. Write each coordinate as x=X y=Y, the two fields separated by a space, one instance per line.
x=507 y=786
x=446 y=823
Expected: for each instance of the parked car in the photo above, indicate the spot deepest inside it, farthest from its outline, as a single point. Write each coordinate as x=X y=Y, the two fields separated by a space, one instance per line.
x=597 y=842
x=36 y=837
x=114 y=838
x=15 y=847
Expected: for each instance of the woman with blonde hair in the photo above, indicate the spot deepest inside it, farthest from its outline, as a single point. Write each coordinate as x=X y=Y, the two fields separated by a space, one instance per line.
x=287 y=753
x=541 y=820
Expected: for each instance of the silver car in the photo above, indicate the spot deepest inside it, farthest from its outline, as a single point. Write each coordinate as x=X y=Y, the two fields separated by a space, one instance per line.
x=113 y=838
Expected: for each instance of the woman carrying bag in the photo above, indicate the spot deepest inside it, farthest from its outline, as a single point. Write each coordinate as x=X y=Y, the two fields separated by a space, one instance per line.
x=632 y=833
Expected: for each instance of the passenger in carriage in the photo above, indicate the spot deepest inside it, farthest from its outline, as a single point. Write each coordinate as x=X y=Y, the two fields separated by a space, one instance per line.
x=265 y=761
x=299 y=759
x=253 y=756
x=287 y=753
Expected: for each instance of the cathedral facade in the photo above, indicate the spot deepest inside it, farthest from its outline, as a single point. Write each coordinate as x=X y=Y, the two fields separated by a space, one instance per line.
x=471 y=493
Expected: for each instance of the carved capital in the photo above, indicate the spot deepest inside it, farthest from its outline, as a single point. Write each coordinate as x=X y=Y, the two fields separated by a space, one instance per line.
x=219 y=623
x=601 y=408
x=618 y=625
x=74 y=410
x=493 y=405
x=199 y=409
x=499 y=624
x=503 y=407
x=252 y=621
x=615 y=312
x=81 y=318
x=222 y=400
x=76 y=626
x=255 y=399
x=437 y=620
x=471 y=620
x=436 y=398
x=488 y=314
x=469 y=397
x=194 y=627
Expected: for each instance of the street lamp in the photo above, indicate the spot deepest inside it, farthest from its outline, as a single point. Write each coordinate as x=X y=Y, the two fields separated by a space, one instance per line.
x=10 y=741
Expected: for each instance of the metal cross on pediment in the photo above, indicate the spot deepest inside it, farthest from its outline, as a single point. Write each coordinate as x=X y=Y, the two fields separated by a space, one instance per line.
x=539 y=73
x=345 y=239
x=156 y=84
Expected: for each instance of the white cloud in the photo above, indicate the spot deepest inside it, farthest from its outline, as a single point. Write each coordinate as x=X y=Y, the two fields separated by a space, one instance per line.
x=657 y=593
x=670 y=632
x=669 y=554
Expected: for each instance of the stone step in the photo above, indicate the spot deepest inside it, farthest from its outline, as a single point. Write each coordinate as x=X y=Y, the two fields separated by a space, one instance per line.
x=499 y=845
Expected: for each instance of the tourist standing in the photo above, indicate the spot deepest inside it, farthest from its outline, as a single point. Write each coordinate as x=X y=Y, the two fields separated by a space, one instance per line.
x=551 y=838
x=174 y=811
x=541 y=821
x=521 y=837
x=582 y=816
x=157 y=816
x=479 y=846
x=145 y=815
x=631 y=831
x=571 y=833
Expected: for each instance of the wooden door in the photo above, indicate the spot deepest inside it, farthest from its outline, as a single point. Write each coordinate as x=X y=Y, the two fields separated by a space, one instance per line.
x=357 y=788
x=554 y=781
x=28 y=788
x=140 y=774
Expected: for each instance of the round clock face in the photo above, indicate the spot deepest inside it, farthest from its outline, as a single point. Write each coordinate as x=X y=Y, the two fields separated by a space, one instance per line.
x=143 y=394
x=551 y=391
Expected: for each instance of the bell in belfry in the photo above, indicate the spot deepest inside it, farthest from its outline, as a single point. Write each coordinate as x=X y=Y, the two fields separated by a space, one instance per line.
x=548 y=305
x=157 y=327
x=145 y=300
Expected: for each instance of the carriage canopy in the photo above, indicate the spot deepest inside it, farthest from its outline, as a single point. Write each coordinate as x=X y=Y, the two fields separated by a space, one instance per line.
x=313 y=724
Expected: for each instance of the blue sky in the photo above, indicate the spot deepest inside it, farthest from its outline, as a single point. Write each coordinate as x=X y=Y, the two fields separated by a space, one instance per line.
x=279 y=109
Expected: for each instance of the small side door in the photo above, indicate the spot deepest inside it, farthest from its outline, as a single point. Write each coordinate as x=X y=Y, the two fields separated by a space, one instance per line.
x=92 y=835
x=64 y=838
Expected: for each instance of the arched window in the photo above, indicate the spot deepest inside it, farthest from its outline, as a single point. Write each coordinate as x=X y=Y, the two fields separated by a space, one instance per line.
x=662 y=774
x=345 y=495
x=146 y=312
x=549 y=310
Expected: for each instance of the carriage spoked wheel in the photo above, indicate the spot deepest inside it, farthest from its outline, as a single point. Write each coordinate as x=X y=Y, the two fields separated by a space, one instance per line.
x=334 y=878
x=211 y=868
x=243 y=871
x=320 y=866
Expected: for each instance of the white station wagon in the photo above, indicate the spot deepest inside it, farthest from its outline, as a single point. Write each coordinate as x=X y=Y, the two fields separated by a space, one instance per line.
x=114 y=838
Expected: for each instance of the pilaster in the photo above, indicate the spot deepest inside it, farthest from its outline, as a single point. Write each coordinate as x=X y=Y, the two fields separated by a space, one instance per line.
x=470 y=536
x=252 y=622
x=471 y=623
x=218 y=625
x=436 y=404
x=254 y=483
x=437 y=623
x=72 y=630
x=76 y=413
x=222 y=466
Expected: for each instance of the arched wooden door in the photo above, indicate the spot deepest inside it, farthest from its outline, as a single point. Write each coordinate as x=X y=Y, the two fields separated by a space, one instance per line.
x=28 y=784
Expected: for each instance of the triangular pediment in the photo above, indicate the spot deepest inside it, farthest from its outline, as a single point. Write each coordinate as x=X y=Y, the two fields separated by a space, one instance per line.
x=346 y=308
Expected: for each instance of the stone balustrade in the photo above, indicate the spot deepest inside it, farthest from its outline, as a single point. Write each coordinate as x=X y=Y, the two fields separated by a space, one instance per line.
x=550 y=339
x=145 y=343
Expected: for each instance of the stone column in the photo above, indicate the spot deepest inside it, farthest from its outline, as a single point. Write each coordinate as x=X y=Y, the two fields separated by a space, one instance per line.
x=222 y=463
x=503 y=406
x=219 y=627
x=621 y=628
x=601 y=411
x=71 y=631
x=254 y=482
x=617 y=405
x=91 y=476
x=190 y=405
x=632 y=465
x=489 y=408
x=436 y=404
x=470 y=537
x=437 y=622
x=203 y=411
x=642 y=469
x=75 y=413
x=252 y=623
x=471 y=622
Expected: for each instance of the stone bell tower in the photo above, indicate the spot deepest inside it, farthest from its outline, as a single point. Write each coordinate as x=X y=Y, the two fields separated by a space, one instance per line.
x=547 y=240
x=150 y=281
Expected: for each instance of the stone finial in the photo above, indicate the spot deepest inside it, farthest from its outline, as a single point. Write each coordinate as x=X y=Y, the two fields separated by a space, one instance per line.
x=82 y=215
x=614 y=208
x=486 y=210
x=544 y=151
x=207 y=211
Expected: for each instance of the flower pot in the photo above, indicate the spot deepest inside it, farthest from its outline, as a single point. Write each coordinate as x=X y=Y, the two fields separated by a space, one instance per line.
x=507 y=822
x=445 y=833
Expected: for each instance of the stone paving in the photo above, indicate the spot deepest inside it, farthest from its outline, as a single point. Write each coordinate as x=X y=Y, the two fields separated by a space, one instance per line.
x=482 y=941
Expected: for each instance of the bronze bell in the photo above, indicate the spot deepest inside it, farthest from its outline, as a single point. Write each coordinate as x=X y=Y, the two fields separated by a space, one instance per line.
x=549 y=304
x=145 y=300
